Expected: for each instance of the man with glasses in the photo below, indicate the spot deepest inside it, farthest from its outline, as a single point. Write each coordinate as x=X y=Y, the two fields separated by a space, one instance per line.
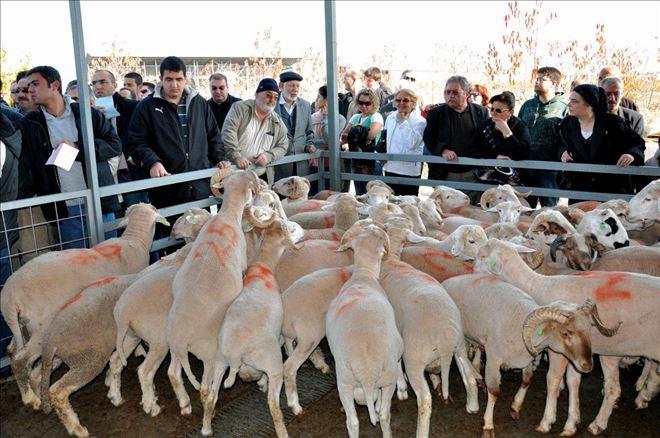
x=450 y=128
x=253 y=133
x=133 y=81
x=542 y=114
x=146 y=89
x=220 y=101
x=23 y=99
x=173 y=131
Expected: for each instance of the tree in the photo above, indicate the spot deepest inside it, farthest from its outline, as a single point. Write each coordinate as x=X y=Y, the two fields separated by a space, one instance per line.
x=117 y=62
x=8 y=73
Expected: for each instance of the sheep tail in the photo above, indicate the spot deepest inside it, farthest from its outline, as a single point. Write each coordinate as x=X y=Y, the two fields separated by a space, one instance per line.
x=46 y=370
x=122 y=329
x=182 y=356
x=11 y=318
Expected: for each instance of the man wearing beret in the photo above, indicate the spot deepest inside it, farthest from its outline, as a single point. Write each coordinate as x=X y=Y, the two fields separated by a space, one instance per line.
x=296 y=113
x=253 y=133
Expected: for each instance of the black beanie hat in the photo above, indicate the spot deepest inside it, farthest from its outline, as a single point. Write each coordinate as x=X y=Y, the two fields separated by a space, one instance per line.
x=594 y=96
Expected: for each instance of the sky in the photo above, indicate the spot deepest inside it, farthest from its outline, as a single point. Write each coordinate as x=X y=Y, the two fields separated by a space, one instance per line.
x=42 y=30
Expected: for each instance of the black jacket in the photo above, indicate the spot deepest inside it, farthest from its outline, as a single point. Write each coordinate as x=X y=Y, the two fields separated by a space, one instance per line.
x=43 y=180
x=220 y=110
x=125 y=108
x=11 y=137
x=154 y=136
x=488 y=142
x=611 y=138
x=437 y=135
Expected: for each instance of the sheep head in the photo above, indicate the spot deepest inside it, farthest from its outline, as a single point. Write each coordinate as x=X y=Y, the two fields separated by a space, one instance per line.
x=412 y=211
x=502 y=193
x=503 y=231
x=509 y=211
x=379 y=183
x=467 y=241
x=376 y=195
x=293 y=187
x=380 y=213
x=549 y=224
x=564 y=328
x=573 y=215
x=430 y=213
x=284 y=231
x=244 y=182
x=495 y=255
x=448 y=198
x=606 y=226
x=645 y=206
x=188 y=226
x=580 y=250
x=142 y=213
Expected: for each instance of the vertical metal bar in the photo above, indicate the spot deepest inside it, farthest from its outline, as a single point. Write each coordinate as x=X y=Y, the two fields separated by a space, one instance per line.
x=333 y=104
x=94 y=215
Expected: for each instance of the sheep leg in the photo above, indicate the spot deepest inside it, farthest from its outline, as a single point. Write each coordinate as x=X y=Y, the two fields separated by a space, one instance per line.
x=385 y=414
x=146 y=372
x=295 y=360
x=174 y=374
x=318 y=359
x=651 y=385
x=418 y=384
x=114 y=371
x=275 y=381
x=556 y=368
x=445 y=365
x=72 y=381
x=288 y=346
x=401 y=386
x=22 y=365
x=610 y=365
x=476 y=360
x=346 y=398
x=212 y=394
x=469 y=376
x=573 y=378
x=493 y=384
x=519 y=399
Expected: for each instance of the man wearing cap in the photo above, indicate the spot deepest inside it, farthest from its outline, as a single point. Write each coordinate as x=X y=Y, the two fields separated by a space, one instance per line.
x=253 y=133
x=296 y=113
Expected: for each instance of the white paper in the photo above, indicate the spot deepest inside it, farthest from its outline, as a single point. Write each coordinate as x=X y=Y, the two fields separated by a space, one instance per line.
x=108 y=105
x=63 y=157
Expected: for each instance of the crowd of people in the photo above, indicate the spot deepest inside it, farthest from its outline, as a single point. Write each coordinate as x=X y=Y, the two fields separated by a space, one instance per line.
x=145 y=130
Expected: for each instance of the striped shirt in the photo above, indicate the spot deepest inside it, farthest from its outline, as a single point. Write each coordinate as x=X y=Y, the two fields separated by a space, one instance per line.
x=183 y=120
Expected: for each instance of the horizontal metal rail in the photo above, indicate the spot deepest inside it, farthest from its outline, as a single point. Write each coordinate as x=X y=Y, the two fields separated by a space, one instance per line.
x=40 y=200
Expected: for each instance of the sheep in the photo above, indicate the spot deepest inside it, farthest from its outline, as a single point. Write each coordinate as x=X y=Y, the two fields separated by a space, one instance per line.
x=631 y=299
x=413 y=213
x=607 y=228
x=208 y=281
x=82 y=335
x=509 y=211
x=502 y=231
x=305 y=305
x=580 y=251
x=573 y=215
x=450 y=224
x=331 y=216
x=645 y=205
x=22 y=300
x=376 y=195
x=346 y=214
x=462 y=243
x=449 y=199
x=430 y=325
x=495 y=314
x=187 y=227
x=639 y=259
x=502 y=193
x=295 y=189
x=251 y=328
x=362 y=334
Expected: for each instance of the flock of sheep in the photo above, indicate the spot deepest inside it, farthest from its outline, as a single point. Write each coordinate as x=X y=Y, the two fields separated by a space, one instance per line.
x=399 y=286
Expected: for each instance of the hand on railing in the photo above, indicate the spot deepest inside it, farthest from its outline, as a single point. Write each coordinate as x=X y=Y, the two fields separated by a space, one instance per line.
x=625 y=160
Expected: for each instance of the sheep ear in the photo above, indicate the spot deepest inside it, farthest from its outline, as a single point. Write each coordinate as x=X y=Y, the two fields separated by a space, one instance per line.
x=163 y=220
x=414 y=238
x=493 y=209
x=123 y=223
x=527 y=209
x=522 y=249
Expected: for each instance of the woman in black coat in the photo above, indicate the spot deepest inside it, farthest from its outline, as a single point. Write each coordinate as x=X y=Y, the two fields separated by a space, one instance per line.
x=592 y=135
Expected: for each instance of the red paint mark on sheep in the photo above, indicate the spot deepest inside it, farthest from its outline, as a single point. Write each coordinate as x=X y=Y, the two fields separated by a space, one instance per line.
x=71 y=301
x=83 y=256
x=103 y=282
x=109 y=250
x=335 y=236
x=344 y=275
x=329 y=221
x=224 y=230
x=356 y=297
x=609 y=291
x=488 y=278
x=260 y=272
x=220 y=254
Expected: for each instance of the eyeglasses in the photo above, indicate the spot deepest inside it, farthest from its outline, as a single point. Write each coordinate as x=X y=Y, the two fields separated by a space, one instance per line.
x=542 y=79
x=100 y=82
x=405 y=100
x=498 y=110
x=363 y=103
x=19 y=90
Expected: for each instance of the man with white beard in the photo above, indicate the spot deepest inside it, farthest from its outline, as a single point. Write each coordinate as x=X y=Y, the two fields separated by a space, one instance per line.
x=254 y=133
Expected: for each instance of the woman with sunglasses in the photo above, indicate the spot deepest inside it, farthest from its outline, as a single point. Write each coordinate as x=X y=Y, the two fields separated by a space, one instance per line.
x=367 y=103
x=405 y=135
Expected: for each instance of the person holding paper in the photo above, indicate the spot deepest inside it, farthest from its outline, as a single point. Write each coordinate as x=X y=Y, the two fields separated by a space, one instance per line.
x=174 y=131
x=56 y=125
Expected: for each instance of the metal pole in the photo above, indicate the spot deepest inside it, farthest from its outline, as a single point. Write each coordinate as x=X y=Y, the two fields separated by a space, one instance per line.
x=94 y=215
x=333 y=104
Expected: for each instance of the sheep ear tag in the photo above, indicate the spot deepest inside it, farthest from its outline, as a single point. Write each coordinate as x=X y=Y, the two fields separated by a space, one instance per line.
x=491 y=264
x=539 y=331
x=602 y=226
x=342 y=247
x=247 y=226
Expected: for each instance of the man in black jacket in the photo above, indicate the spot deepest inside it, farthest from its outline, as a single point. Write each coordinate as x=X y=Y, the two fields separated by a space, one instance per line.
x=220 y=101
x=174 y=131
x=10 y=143
x=57 y=121
x=450 y=128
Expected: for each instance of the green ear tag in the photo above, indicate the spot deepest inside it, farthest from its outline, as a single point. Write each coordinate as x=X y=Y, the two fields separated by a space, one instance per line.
x=492 y=263
x=602 y=226
x=539 y=331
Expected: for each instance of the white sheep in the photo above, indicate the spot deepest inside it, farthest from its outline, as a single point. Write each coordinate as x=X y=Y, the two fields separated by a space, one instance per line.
x=331 y=215
x=345 y=211
x=645 y=206
x=31 y=298
x=362 y=334
x=509 y=211
x=251 y=328
x=514 y=329
x=209 y=280
x=606 y=227
x=429 y=323
x=630 y=299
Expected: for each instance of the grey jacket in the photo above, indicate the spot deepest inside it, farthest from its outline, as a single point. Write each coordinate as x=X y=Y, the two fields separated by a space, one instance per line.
x=237 y=120
x=302 y=137
x=634 y=119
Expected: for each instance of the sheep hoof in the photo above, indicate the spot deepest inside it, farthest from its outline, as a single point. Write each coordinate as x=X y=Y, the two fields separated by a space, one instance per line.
x=325 y=369
x=35 y=403
x=641 y=404
x=515 y=414
x=488 y=433
x=567 y=432
x=402 y=395
x=206 y=431
x=594 y=429
x=152 y=410
x=543 y=428
x=296 y=409
x=115 y=400
x=186 y=410
x=448 y=401
x=80 y=431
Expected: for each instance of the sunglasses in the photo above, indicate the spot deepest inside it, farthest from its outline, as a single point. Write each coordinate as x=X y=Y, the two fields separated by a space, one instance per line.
x=361 y=102
x=19 y=90
x=405 y=100
x=498 y=110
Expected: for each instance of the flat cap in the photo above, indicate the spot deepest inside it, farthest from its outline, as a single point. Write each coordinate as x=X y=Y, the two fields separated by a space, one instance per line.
x=290 y=76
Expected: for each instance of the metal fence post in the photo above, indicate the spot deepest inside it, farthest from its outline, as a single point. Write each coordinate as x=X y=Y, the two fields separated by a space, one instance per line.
x=333 y=104
x=94 y=214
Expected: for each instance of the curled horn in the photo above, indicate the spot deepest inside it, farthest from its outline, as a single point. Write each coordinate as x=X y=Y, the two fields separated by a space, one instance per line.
x=257 y=222
x=589 y=308
x=558 y=243
x=521 y=194
x=217 y=178
x=486 y=197
x=537 y=260
x=537 y=317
